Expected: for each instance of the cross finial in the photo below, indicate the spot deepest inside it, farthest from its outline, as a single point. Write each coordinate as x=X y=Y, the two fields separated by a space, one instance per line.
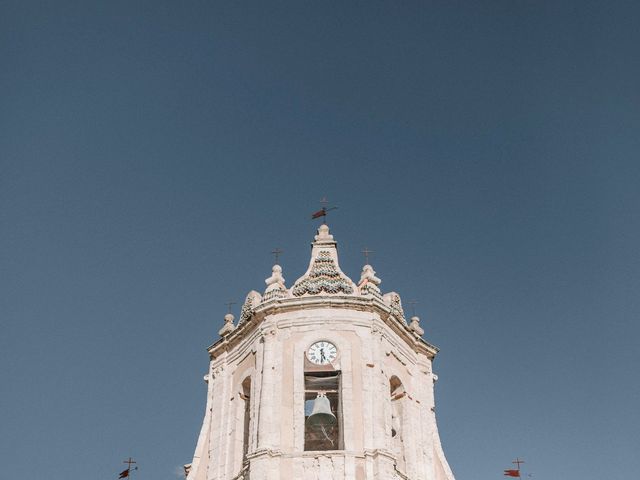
x=276 y=253
x=366 y=253
x=324 y=202
x=127 y=473
x=228 y=304
x=518 y=462
x=413 y=304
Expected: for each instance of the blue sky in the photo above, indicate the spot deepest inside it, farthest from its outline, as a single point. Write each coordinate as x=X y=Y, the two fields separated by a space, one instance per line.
x=152 y=154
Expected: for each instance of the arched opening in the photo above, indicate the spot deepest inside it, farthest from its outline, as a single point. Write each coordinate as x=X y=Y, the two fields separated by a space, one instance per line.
x=246 y=424
x=322 y=411
x=322 y=398
x=397 y=396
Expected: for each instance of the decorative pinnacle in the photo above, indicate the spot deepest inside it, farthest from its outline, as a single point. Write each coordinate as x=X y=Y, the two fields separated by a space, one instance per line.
x=323 y=235
x=368 y=275
x=276 y=276
x=275 y=285
x=228 y=326
x=415 y=326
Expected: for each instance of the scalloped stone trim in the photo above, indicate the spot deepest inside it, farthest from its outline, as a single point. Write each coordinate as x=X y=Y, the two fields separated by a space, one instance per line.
x=323 y=277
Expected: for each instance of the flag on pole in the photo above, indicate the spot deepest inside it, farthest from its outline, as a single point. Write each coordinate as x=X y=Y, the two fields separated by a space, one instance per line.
x=512 y=473
x=124 y=473
x=318 y=214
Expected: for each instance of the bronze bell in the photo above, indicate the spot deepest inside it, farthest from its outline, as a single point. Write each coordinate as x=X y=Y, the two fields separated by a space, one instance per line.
x=321 y=413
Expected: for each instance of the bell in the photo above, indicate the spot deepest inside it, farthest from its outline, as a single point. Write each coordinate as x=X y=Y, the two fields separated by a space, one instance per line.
x=321 y=413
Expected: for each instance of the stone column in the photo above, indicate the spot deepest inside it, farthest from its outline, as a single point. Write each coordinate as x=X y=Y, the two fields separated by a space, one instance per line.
x=380 y=391
x=199 y=464
x=424 y=391
x=347 y=399
x=411 y=436
x=266 y=424
x=217 y=439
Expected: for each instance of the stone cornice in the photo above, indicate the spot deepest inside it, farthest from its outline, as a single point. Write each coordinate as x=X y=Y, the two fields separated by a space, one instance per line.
x=230 y=343
x=268 y=452
x=365 y=303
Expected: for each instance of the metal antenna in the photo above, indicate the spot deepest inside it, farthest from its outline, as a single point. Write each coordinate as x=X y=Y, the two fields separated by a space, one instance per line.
x=276 y=253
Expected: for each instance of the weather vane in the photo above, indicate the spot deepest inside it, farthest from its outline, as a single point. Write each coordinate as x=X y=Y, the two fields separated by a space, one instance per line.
x=323 y=211
x=127 y=472
x=514 y=472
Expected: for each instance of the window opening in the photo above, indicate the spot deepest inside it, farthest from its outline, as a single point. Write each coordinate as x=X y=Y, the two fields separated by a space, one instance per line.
x=246 y=397
x=322 y=430
x=397 y=393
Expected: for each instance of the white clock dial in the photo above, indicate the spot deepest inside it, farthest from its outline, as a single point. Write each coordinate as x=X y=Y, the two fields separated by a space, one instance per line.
x=322 y=353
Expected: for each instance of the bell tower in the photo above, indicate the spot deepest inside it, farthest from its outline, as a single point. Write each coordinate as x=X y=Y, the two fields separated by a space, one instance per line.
x=323 y=380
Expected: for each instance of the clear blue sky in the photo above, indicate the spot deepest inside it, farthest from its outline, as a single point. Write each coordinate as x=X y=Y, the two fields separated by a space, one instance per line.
x=153 y=153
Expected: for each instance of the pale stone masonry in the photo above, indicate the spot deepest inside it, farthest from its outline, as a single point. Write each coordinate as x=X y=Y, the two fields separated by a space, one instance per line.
x=259 y=422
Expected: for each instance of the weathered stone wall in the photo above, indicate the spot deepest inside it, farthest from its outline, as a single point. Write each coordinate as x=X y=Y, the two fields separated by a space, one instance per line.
x=370 y=354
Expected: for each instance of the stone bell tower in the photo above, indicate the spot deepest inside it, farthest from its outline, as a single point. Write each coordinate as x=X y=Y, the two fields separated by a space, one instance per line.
x=324 y=380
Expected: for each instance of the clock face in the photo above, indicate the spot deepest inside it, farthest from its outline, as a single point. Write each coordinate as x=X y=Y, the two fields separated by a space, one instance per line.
x=322 y=353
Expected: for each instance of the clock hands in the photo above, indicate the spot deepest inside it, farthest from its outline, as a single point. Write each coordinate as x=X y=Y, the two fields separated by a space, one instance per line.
x=322 y=353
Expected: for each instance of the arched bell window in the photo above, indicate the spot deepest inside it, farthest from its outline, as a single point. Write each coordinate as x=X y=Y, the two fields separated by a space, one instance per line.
x=322 y=398
x=397 y=397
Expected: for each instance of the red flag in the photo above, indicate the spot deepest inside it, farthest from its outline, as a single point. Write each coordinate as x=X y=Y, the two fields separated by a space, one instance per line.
x=512 y=473
x=319 y=213
x=124 y=473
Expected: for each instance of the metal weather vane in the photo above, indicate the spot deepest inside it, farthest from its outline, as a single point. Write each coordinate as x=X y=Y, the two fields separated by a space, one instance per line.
x=323 y=211
x=127 y=472
x=514 y=472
